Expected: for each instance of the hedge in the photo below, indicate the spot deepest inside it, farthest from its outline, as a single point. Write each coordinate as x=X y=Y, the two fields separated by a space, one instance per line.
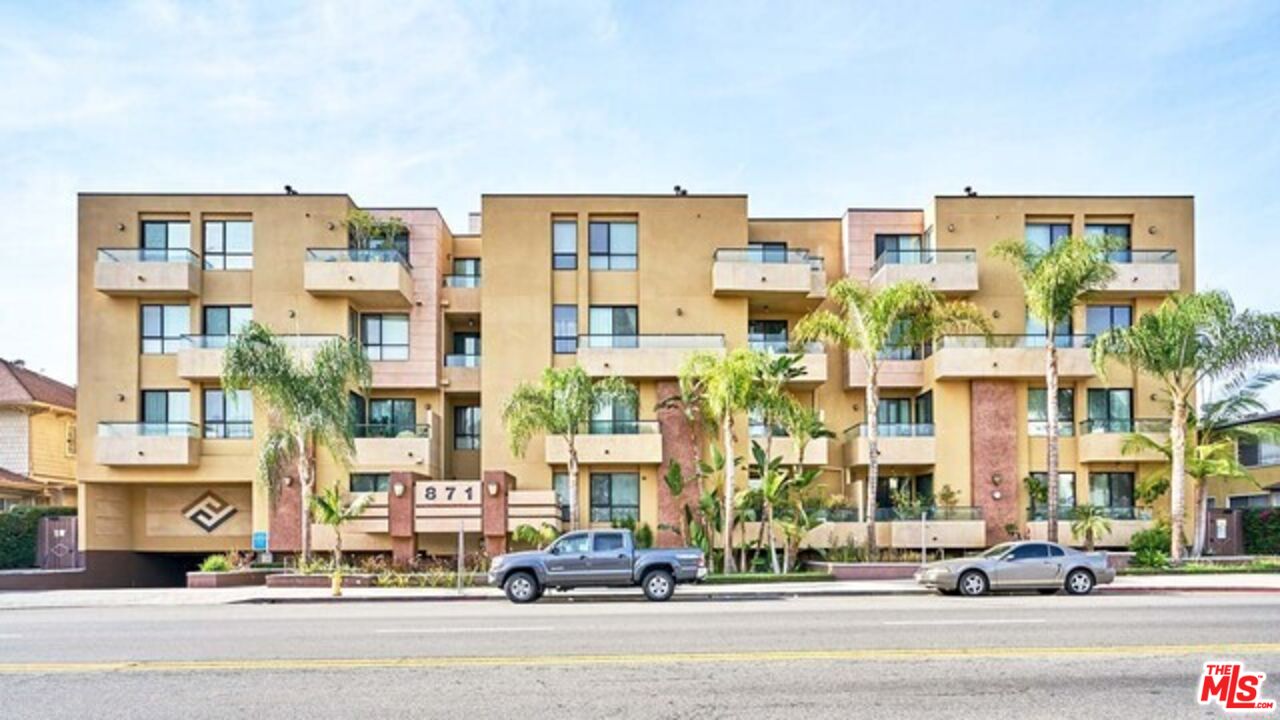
x=18 y=528
x=1262 y=531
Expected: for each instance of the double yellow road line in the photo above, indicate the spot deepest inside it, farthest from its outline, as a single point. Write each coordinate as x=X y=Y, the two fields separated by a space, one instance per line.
x=1206 y=651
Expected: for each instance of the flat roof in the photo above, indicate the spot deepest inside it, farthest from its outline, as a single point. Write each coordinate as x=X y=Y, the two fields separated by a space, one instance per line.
x=1065 y=197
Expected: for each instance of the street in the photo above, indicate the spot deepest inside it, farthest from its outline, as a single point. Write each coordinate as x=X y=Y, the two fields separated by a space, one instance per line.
x=1000 y=657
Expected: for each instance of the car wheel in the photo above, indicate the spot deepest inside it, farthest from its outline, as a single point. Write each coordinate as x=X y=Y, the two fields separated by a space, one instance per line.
x=658 y=585
x=522 y=588
x=972 y=584
x=1079 y=582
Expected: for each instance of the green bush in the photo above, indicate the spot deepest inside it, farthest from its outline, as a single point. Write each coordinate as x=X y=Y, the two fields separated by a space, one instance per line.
x=1261 y=531
x=18 y=528
x=1150 y=547
x=644 y=536
x=215 y=563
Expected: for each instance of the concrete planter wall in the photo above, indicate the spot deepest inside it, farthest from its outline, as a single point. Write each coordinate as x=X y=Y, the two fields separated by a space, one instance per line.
x=282 y=580
x=865 y=571
x=235 y=578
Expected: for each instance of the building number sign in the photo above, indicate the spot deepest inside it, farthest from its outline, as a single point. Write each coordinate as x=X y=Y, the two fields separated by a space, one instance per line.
x=449 y=493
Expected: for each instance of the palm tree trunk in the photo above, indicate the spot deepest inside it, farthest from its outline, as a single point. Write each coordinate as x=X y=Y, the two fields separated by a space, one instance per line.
x=573 y=483
x=873 y=454
x=1177 y=474
x=727 y=424
x=1202 y=519
x=337 y=548
x=1051 y=411
x=773 y=546
x=304 y=498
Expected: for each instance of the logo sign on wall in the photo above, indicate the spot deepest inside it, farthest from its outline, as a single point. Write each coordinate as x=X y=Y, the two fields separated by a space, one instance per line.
x=209 y=511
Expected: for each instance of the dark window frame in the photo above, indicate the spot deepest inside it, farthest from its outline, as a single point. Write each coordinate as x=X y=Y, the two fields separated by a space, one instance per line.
x=612 y=261
x=369 y=482
x=564 y=260
x=469 y=440
x=392 y=426
x=564 y=344
x=610 y=511
x=151 y=252
x=1111 y=478
x=223 y=428
x=1066 y=425
x=217 y=259
x=1111 y=311
x=381 y=345
x=169 y=344
x=142 y=405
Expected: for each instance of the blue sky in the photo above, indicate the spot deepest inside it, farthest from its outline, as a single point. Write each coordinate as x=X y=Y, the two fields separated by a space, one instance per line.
x=810 y=107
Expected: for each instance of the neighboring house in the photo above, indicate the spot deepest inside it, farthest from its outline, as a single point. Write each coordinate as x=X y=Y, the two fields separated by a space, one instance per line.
x=37 y=438
x=1262 y=460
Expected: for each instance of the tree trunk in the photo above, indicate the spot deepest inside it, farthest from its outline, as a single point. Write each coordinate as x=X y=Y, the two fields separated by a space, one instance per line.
x=727 y=521
x=773 y=546
x=873 y=454
x=337 y=548
x=573 y=482
x=1202 y=519
x=1051 y=412
x=1177 y=474
x=304 y=497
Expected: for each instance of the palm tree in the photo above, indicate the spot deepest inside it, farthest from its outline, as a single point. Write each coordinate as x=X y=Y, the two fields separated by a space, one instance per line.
x=331 y=509
x=869 y=322
x=1054 y=280
x=536 y=536
x=1188 y=339
x=725 y=386
x=1089 y=522
x=561 y=403
x=306 y=405
x=803 y=424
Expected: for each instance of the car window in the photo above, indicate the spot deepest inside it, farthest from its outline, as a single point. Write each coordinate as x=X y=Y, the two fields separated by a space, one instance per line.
x=1030 y=551
x=607 y=542
x=1056 y=551
x=997 y=551
x=572 y=544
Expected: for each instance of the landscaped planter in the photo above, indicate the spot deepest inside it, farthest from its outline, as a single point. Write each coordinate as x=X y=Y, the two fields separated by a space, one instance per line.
x=234 y=578
x=292 y=580
x=866 y=571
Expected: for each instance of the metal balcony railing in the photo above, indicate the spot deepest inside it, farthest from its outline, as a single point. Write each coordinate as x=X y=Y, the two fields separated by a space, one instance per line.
x=1116 y=512
x=677 y=342
x=988 y=342
x=890 y=430
x=461 y=360
x=769 y=256
x=783 y=347
x=923 y=257
x=148 y=255
x=891 y=514
x=462 y=281
x=1124 y=425
x=148 y=429
x=390 y=430
x=622 y=427
x=1129 y=257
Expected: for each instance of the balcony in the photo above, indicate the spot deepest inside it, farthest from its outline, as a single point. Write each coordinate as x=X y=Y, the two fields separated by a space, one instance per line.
x=813 y=359
x=1125 y=521
x=204 y=355
x=387 y=447
x=822 y=452
x=145 y=272
x=1008 y=356
x=950 y=272
x=461 y=294
x=1102 y=441
x=134 y=444
x=371 y=278
x=462 y=372
x=768 y=274
x=900 y=367
x=1144 y=272
x=613 y=442
x=900 y=444
x=642 y=356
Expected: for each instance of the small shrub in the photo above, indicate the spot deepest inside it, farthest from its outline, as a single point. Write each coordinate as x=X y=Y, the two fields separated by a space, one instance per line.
x=18 y=528
x=644 y=536
x=1261 y=531
x=1150 y=558
x=215 y=563
x=1151 y=547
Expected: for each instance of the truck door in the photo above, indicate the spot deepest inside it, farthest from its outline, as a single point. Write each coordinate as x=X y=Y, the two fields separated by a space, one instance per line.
x=568 y=559
x=610 y=560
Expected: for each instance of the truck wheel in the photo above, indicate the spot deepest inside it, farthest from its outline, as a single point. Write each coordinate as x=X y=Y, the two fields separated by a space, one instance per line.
x=521 y=587
x=658 y=585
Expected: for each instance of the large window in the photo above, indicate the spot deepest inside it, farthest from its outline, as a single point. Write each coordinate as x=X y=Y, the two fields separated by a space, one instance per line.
x=466 y=344
x=560 y=483
x=1045 y=235
x=899 y=249
x=466 y=273
x=893 y=414
x=228 y=414
x=614 y=326
x=612 y=245
x=370 y=482
x=615 y=496
x=228 y=244
x=924 y=408
x=165 y=407
x=1118 y=233
x=385 y=337
x=1110 y=410
x=564 y=324
x=1066 y=494
x=770 y=335
x=616 y=418
x=1038 y=413
x=767 y=252
x=1111 y=489
x=466 y=427
x=166 y=240
x=163 y=327
x=1101 y=318
x=564 y=245
x=1258 y=453
x=224 y=321
x=388 y=417
x=1037 y=335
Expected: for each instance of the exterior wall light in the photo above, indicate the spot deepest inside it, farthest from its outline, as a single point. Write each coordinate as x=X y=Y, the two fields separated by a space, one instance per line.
x=398 y=489
x=492 y=488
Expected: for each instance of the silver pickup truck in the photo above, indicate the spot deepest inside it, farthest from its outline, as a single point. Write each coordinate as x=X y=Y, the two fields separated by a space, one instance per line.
x=596 y=558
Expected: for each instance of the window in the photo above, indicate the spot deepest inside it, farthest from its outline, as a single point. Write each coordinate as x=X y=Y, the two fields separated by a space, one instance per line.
x=160 y=237
x=223 y=321
x=1066 y=494
x=575 y=544
x=615 y=496
x=228 y=245
x=769 y=335
x=919 y=487
x=385 y=337
x=1111 y=489
x=1055 y=551
x=1030 y=551
x=894 y=416
x=163 y=408
x=466 y=273
x=228 y=414
x=163 y=327
x=924 y=408
x=560 y=483
x=607 y=542
x=369 y=482
x=1110 y=410
x=616 y=418
x=767 y=252
x=613 y=326
x=899 y=249
x=1118 y=233
x=1101 y=318
x=1258 y=453
x=466 y=427
x=466 y=343
x=612 y=245
x=564 y=328
x=1045 y=235
x=1239 y=502
x=564 y=245
x=388 y=417
x=70 y=439
x=1037 y=335
x=1038 y=413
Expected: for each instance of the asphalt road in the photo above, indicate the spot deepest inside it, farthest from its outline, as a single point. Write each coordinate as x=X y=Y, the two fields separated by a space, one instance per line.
x=885 y=657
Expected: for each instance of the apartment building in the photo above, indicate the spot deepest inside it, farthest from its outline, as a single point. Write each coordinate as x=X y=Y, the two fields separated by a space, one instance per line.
x=624 y=285
x=1261 y=459
x=37 y=438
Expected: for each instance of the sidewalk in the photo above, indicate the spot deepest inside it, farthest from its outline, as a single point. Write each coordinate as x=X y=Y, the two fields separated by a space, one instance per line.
x=1258 y=583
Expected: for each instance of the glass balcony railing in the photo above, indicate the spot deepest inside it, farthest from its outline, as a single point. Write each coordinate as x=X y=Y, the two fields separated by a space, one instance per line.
x=652 y=342
x=1067 y=512
x=988 y=342
x=297 y=342
x=1040 y=428
x=360 y=255
x=390 y=430
x=460 y=360
x=888 y=430
x=907 y=352
x=892 y=514
x=622 y=427
x=1128 y=257
x=148 y=429
x=148 y=255
x=782 y=347
x=775 y=256
x=1124 y=425
x=923 y=257
x=462 y=281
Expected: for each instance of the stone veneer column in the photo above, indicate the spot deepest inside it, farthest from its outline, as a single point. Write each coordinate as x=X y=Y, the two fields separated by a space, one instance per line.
x=679 y=444
x=993 y=433
x=493 y=518
x=285 y=517
x=400 y=519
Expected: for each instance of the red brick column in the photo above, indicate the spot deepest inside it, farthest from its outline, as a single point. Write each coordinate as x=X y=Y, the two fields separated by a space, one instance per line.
x=993 y=454
x=400 y=518
x=285 y=517
x=679 y=444
x=494 y=492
